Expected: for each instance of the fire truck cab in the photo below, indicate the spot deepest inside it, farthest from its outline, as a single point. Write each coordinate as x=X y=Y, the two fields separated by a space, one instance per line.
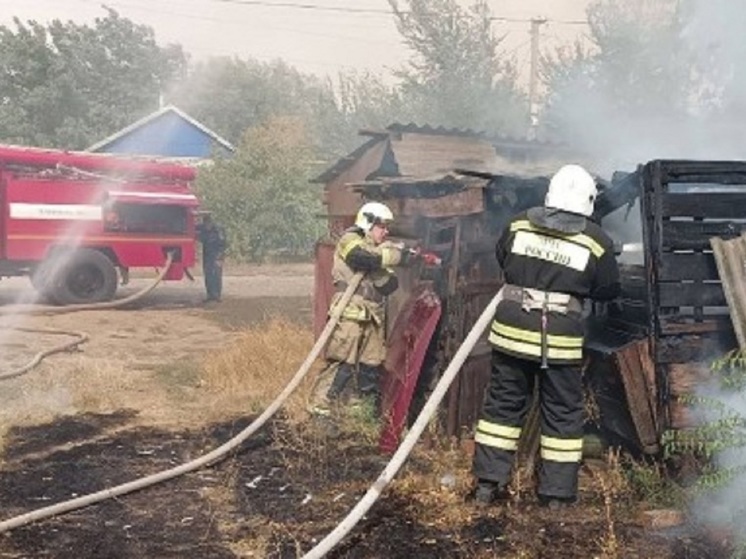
x=71 y=220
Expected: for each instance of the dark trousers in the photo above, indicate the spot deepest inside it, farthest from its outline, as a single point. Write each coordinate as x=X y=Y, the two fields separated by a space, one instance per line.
x=505 y=407
x=368 y=383
x=213 y=273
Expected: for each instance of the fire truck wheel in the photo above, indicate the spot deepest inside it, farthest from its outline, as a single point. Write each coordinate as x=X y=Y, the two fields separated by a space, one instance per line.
x=87 y=276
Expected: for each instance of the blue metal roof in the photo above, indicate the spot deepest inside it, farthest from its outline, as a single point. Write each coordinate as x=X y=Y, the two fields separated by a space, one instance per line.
x=168 y=132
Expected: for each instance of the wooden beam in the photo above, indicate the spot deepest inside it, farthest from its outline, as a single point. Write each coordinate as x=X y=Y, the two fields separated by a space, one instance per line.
x=730 y=257
x=687 y=266
x=724 y=205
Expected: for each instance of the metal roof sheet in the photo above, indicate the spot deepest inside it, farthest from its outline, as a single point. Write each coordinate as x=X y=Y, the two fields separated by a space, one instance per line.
x=425 y=150
x=155 y=116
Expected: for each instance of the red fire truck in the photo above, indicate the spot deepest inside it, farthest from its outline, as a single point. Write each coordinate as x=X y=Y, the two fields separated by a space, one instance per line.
x=72 y=220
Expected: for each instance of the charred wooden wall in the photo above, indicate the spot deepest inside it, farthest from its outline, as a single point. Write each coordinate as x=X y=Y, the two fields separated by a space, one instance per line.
x=684 y=204
x=673 y=318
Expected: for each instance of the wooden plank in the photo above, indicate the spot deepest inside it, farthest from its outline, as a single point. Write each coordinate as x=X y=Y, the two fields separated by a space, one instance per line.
x=704 y=204
x=679 y=325
x=680 y=416
x=638 y=377
x=475 y=379
x=684 y=349
x=674 y=294
x=685 y=378
x=700 y=172
x=687 y=266
x=695 y=235
x=607 y=389
x=468 y=201
x=730 y=257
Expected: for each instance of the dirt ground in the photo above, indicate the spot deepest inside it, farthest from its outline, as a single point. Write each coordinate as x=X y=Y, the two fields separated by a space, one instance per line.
x=130 y=404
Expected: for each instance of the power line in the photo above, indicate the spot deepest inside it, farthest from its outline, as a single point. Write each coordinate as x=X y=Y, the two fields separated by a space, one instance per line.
x=304 y=6
x=378 y=11
x=202 y=17
x=547 y=20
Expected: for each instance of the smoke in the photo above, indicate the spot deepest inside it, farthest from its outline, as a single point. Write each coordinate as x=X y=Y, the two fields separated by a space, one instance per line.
x=661 y=87
x=720 y=505
x=658 y=83
x=715 y=37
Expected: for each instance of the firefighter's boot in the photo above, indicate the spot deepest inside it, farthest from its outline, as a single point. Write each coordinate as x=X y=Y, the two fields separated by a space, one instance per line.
x=488 y=492
x=369 y=387
x=344 y=373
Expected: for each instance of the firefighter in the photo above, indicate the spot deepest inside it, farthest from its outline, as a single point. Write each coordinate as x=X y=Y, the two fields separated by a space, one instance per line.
x=213 y=242
x=553 y=258
x=356 y=349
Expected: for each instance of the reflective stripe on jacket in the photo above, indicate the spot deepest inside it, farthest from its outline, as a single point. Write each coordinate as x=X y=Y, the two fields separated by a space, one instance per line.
x=367 y=303
x=580 y=264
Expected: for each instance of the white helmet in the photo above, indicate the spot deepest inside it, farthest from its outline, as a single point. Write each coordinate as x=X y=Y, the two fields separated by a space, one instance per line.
x=372 y=213
x=573 y=190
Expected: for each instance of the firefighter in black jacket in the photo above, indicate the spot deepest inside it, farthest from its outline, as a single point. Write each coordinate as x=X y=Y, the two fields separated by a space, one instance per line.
x=213 y=242
x=553 y=258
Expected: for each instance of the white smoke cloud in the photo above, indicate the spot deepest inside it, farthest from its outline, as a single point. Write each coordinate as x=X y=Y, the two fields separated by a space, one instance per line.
x=623 y=120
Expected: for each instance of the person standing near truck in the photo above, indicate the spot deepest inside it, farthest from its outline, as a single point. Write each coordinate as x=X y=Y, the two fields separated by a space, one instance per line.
x=212 y=238
x=553 y=258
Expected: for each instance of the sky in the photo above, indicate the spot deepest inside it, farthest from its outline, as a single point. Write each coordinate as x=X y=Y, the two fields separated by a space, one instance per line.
x=316 y=36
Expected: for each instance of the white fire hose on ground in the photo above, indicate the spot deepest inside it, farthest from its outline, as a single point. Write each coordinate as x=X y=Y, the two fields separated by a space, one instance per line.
x=27 y=309
x=207 y=459
x=401 y=454
x=81 y=337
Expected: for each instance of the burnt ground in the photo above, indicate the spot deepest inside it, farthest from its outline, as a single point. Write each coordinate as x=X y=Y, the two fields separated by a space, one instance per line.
x=128 y=406
x=275 y=498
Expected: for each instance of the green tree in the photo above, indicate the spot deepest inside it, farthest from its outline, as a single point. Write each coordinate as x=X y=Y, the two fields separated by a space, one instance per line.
x=634 y=77
x=262 y=195
x=457 y=76
x=231 y=95
x=68 y=85
x=362 y=101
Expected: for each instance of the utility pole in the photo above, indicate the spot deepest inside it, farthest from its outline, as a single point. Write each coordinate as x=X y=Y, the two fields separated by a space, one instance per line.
x=533 y=109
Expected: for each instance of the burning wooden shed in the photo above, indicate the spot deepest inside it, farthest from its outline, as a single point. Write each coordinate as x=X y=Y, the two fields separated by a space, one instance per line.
x=673 y=317
x=644 y=351
x=456 y=216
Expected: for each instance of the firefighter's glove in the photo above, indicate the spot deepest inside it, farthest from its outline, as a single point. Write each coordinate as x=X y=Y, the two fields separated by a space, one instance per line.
x=428 y=258
x=392 y=255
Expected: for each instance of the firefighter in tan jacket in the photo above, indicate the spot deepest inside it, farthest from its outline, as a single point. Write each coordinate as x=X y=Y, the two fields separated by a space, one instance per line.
x=357 y=347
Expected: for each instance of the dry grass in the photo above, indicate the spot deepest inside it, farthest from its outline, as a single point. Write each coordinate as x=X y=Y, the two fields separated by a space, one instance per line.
x=439 y=487
x=256 y=367
x=611 y=483
x=592 y=409
x=90 y=385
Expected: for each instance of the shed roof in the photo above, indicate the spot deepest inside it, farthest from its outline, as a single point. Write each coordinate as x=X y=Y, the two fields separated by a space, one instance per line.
x=425 y=151
x=155 y=116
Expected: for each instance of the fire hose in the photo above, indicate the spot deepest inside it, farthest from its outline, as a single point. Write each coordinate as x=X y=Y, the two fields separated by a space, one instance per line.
x=51 y=309
x=207 y=459
x=82 y=337
x=405 y=448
